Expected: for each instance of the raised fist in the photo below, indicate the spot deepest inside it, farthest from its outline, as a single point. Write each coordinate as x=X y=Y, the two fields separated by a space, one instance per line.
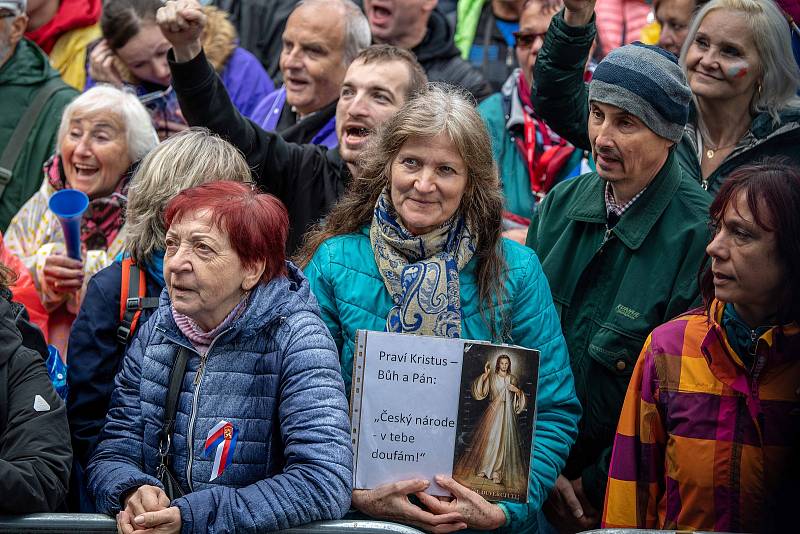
x=578 y=12
x=182 y=22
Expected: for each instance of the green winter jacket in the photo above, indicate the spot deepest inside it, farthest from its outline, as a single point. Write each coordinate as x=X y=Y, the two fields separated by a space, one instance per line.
x=611 y=288
x=20 y=78
x=351 y=293
x=560 y=96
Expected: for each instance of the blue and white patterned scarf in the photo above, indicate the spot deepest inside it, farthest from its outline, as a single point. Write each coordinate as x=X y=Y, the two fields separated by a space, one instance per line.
x=421 y=272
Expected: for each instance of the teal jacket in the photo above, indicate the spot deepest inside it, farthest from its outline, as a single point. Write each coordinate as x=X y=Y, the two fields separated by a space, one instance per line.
x=560 y=96
x=351 y=293
x=501 y=115
x=613 y=287
x=20 y=79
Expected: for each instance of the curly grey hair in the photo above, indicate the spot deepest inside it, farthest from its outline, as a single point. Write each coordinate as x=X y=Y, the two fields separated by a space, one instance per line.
x=139 y=132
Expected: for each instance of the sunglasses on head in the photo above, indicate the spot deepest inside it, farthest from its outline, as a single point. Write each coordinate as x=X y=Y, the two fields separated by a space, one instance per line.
x=524 y=39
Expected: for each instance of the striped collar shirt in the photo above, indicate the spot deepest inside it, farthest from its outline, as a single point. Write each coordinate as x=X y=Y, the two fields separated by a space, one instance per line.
x=615 y=210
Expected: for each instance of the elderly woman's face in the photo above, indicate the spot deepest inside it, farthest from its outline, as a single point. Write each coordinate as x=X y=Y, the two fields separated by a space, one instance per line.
x=205 y=278
x=94 y=153
x=722 y=61
x=428 y=180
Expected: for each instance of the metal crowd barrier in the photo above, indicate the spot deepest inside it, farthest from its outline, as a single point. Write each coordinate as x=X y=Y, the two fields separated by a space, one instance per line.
x=643 y=531
x=102 y=524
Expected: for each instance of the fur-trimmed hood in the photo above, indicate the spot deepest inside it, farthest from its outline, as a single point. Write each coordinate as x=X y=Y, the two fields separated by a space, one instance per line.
x=219 y=40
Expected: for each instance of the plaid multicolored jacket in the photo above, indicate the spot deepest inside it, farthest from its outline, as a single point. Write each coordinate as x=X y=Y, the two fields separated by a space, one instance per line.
x=703 y=443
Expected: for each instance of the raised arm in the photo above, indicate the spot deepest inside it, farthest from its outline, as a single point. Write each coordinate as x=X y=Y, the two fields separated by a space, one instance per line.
x=204 y=101
x=559 y=93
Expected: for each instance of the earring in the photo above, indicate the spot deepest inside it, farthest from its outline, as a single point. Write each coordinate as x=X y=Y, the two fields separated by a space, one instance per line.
x=758 y=88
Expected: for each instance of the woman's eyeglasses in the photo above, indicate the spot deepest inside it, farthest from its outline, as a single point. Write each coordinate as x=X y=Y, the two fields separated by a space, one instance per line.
x=524 y=39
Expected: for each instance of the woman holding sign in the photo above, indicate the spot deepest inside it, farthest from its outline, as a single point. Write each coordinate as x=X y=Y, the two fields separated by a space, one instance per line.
x=414 y=247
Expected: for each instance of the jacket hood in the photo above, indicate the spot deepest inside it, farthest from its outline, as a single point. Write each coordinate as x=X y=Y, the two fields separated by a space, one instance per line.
x=438 y=42
x=762 y=128
x=10 y=338
x=278 y=299
x=28 y=66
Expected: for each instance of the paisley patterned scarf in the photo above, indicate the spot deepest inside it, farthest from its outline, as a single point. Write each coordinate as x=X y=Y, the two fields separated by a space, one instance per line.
x=104 y=217
x=421 y=272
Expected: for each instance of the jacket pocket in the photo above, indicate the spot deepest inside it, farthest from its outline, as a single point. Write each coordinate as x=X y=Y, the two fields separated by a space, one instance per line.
x=616 y=349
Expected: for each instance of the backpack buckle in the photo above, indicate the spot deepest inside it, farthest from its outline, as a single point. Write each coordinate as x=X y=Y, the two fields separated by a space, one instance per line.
x=123 y=333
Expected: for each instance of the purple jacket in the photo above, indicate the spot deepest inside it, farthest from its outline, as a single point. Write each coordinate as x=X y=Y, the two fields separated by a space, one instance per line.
x=246 y=81
x=268 y=112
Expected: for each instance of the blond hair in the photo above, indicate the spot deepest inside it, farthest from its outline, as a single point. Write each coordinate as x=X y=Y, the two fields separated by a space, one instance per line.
x=780 y=75
x=190 y=158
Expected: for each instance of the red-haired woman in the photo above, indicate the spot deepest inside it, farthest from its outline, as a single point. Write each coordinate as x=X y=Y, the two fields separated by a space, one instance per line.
x=260 y=441
x=710 y=428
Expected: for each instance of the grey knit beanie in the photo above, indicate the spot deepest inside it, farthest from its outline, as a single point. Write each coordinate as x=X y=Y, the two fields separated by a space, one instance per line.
x=647 y=82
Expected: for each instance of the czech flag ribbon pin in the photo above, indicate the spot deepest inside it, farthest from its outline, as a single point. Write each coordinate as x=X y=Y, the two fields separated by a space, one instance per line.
x=222 y=440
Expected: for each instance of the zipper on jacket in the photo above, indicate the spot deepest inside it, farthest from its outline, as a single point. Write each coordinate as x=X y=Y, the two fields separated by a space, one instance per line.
x=759 y=362
x=198 y=380
x=606 y=238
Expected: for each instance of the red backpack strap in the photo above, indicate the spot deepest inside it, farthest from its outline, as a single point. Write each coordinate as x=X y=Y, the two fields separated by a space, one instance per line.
x=134 y=282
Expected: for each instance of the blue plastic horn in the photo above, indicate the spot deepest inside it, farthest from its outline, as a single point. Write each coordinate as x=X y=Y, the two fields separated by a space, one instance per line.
x=68 y=205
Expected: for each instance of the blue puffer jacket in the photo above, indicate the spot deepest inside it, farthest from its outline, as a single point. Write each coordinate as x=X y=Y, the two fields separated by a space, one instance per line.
x=274 y=375
x=345 y=278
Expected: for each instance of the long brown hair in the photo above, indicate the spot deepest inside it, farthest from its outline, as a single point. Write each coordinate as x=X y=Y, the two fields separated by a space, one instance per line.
x=438 y=109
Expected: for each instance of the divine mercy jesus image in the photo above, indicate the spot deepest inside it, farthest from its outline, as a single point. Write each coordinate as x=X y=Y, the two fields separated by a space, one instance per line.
x=496 y=459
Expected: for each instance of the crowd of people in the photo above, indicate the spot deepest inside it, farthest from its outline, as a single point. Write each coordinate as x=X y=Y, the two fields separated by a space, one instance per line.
x=611 y=182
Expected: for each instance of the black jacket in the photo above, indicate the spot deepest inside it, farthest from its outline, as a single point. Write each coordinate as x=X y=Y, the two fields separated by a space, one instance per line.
x=35 y=453
x=304 y=130
x=438 y=55
x=309 y=179
x=95 y=357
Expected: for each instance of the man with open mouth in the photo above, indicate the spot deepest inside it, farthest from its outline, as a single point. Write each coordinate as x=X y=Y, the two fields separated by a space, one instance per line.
x=321 y=39
x=418 y=26
x=307 y=178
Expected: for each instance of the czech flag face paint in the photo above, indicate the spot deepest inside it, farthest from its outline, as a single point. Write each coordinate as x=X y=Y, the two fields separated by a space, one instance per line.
x=737 y=70
x=222 y=440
